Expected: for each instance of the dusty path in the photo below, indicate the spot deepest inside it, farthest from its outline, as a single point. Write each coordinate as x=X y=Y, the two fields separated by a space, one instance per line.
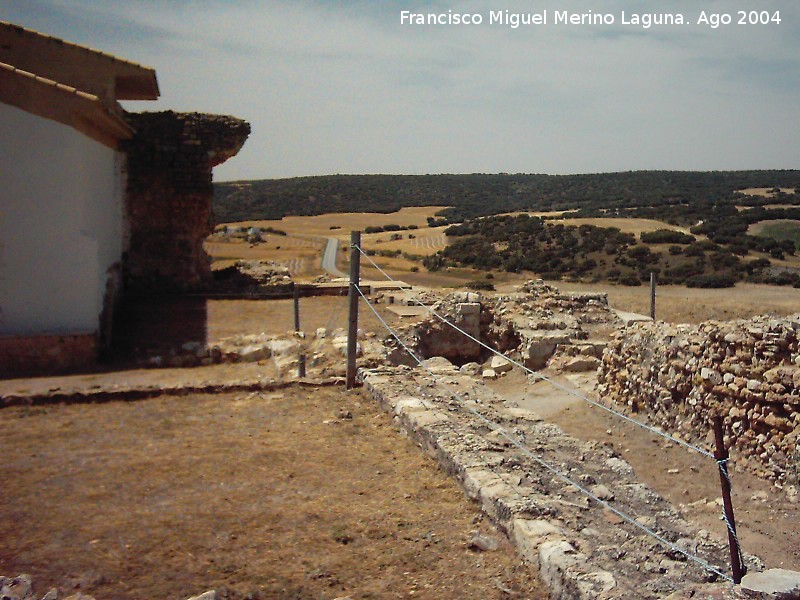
x=769 y=525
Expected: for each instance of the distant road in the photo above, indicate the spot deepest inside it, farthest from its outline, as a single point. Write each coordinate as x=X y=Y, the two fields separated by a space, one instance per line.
x=329 y=258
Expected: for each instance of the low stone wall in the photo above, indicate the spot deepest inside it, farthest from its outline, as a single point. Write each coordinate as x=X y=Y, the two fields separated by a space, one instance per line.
x=747 y=371
x=582 y=549
x=24 y=356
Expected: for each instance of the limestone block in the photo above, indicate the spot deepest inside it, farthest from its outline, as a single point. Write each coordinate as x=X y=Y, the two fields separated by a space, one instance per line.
x=439 y=365
x=16 y=588
x=409 y=405
x=582 y=363
x=254 y=353
x=711 y=376
x=281 y=347
x=556 y=559
x=780 y=584
x=210 y=595
x=528 y=534
x=489 y=374
x=500 y=365
x=471 y=368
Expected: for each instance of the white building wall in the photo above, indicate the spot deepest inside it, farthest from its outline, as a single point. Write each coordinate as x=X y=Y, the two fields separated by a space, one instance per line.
x=60 y=225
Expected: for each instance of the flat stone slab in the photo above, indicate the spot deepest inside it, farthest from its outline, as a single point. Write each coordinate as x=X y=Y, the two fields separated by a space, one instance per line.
x=780 y=584
x=406 y=311
x=381 y=286
x=629 y=318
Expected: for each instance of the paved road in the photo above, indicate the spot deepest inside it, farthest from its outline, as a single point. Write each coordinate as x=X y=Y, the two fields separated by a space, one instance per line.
x=329 y=258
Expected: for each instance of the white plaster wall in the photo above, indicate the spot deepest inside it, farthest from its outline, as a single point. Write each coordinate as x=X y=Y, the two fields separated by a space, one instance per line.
x=60 y=225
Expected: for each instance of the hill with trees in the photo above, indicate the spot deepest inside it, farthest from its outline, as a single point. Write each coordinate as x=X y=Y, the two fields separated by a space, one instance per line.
x=713 y=205
x=685 y=196
x=591 y=253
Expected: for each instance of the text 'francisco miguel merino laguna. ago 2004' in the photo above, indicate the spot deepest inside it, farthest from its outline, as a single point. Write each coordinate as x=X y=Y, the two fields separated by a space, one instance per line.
x=515 y=20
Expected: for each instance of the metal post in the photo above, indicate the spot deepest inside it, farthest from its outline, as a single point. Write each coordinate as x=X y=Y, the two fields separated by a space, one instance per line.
x=301 y=365
x=721 y=454
x=352 y=330
x=296 y=307
x=653 y=296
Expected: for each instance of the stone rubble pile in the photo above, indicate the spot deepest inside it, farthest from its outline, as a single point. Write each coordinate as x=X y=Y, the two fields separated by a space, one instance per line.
x=553 y=324
x=264 y=276
x=21 y=588
x=747 y=371
x=408 y=298
x=324 y=351
x=536 y=326
x=434 y=337
x=264 y=272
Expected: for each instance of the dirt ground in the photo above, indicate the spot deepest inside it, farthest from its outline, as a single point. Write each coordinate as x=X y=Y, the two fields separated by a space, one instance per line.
x=768 y=524
x=298 y=494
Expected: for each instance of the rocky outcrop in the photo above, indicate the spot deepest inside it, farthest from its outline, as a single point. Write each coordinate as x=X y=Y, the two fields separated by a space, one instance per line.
x=747 y=371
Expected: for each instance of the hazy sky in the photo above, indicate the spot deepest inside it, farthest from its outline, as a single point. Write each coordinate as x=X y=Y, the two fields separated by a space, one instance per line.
x=344 y=87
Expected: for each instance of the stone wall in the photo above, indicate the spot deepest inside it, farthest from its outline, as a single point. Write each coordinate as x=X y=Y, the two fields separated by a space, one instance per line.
x=747 y=371
x=169 y=194
x=24 y=356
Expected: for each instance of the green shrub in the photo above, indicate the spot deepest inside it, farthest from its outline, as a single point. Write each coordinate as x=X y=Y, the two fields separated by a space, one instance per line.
x=714 y=280
x=666 y=236
x=630 y=279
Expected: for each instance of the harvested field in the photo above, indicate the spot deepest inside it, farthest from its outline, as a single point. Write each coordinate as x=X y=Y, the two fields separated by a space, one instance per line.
x=299 y=254
x=635 y=226
x=765 y=192
x=780 y=229
x=302 y=493
x=340 y=224
x=678 y=304
x=426 y=240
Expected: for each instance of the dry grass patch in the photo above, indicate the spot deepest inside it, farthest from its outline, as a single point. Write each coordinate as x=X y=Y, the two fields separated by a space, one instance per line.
x=299 y=494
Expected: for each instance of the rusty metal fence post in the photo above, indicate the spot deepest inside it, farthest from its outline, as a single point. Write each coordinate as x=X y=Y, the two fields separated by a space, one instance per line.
x=352 y=329
x=721 y=455
x=653 y=296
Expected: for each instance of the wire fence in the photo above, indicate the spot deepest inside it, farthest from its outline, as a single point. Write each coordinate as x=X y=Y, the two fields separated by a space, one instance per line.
x=527 y=452
x=722 y=464
x=538 y=375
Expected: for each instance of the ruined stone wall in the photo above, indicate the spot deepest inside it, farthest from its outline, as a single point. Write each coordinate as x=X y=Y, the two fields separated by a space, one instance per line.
x=169 y=195
x=747 y=371
x=433 y=337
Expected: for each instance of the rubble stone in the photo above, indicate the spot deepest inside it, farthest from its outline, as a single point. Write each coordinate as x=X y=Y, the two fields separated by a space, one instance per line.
x=680 y=376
